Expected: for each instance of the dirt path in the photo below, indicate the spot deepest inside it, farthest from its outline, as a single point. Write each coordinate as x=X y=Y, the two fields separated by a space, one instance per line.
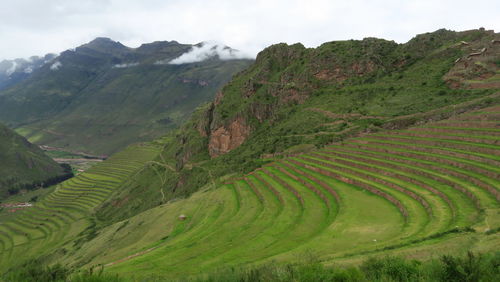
x=163 y=178
x=131 y=256
x=53 y=132
x=163 y=165
x=343 y=116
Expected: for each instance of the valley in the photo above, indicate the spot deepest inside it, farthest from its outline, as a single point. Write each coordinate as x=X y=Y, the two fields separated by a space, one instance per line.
x=103 y=96
x=350 y=153
x=78 y=161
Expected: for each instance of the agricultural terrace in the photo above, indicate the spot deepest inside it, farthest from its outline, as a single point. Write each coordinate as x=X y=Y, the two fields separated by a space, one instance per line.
x=61 y=216
x=418 y=192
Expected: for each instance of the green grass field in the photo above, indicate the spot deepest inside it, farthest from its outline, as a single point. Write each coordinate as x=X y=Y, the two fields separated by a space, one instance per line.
x=419 y=193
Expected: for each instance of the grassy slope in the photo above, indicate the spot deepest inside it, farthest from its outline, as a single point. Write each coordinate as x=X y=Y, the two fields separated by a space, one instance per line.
x=22 y=162
x=405 y=81
x=431 y=194
x=272 y=214
x=61 y=221
x=377 y=194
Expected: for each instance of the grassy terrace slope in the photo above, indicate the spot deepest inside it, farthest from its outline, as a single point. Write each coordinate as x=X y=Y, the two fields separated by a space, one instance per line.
x=426 y=190
x=296 y=99
x=56 y=224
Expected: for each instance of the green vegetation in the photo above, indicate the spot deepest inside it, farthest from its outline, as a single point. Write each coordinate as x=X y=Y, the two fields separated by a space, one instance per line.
x=377 y=195
x=293 y=96
x=448 y=268
x=35 y=271
x=60 y=222
x=288 y=161
x=91 y=105
x=23 y=166
x=472 y=267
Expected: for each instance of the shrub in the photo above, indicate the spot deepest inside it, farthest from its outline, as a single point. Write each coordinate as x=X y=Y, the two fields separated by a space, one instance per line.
x=390 y=268
x=34 y=271
x=470 y=268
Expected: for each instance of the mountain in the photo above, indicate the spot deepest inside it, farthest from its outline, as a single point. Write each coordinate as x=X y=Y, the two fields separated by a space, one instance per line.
x=336 y=155
x=102 y=96
x=294 y=99
x=24 y=165
x=15 y=71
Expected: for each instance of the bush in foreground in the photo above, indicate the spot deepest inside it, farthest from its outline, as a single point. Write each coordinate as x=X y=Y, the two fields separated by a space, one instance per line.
x=472 y=267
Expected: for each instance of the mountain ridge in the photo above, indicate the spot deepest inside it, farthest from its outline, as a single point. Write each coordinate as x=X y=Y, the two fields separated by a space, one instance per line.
x=78 y=95
x=353 y=150
x=274 y=108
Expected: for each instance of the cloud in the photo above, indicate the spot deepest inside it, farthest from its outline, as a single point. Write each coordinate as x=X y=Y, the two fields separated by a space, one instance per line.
x=56 y=66
x=34 y=27
x=126 y=65
x=207 y=50
x=12 y=69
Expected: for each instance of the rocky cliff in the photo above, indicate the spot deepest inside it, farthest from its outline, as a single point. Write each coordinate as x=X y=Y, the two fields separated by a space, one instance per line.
x=294 y=99
x=225 y=138
x=288 y=75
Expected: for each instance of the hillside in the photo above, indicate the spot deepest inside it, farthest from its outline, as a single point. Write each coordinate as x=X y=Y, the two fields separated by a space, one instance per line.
x=419 y=192
x=23 y=165
x=351 y=150
x=102 y=96
x=423 y=191
x=284 y=104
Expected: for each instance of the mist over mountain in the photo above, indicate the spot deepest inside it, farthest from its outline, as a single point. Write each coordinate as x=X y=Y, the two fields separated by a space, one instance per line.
x=14 y=71
x=357 y=160
x=207 y=50
x=102 y=95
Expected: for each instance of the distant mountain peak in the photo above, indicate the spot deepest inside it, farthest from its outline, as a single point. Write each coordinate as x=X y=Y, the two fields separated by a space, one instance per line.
x=158 y=46
x=104 y=40
x=104 y=44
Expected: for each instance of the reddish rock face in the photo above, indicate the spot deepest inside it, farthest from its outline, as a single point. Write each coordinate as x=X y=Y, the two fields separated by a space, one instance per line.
x=218 y=97
x=224 y=139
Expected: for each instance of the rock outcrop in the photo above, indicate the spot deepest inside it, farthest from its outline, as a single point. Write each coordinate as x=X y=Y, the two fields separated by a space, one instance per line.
x=477 y=68
x=285 y=75
x=226 y=138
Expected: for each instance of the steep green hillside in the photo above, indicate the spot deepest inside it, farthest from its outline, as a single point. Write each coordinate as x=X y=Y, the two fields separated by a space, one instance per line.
x=23 y=165
x=431 y=189
x=103 y=95
x=350 y=150
x=294 y=99
x=420 y=192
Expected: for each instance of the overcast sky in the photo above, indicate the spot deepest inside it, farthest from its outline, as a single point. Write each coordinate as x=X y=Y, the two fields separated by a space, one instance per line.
x=36 y=27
